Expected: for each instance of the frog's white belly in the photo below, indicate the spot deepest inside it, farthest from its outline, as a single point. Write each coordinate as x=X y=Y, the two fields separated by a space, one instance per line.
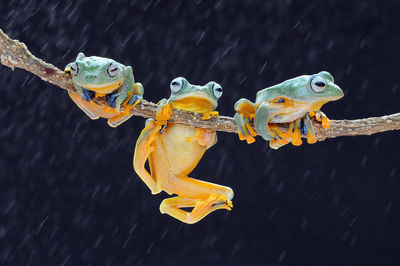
x=288 y=117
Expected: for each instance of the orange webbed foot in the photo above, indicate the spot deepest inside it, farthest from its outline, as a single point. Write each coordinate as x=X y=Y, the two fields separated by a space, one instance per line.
x=244 y=128
x=130 y=103
x=208 y=115
x=321 y=117
x=201 y=207
x=279 y=138
x=296 y=138
x=164 y=110
x=110 y=110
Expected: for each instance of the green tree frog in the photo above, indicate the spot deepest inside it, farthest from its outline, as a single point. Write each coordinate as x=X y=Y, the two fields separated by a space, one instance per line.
x=174 y=150
x=103 y=77
x=293 y=101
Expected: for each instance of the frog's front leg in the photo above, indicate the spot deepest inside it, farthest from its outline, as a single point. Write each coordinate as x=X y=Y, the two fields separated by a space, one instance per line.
x=209 y=115
x=164 y=111
x=142 y=150
x=134 y=99
x=321 y=117
x=244 y=114
x=127 y=88
x=203 y=196
x=129 y=103
x=261 y=120
x=86 y=94
x=204 y=137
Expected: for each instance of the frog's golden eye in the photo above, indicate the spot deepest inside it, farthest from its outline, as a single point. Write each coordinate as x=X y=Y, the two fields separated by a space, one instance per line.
x=112 y=70
x=317 y=83
x=176 y=85
x=217 y=90
x=74 y=68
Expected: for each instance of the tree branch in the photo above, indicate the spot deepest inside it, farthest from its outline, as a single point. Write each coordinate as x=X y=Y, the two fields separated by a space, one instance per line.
x=15 y=54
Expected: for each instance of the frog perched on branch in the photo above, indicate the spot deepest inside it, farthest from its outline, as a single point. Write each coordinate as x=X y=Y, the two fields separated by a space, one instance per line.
x=95 y=77
x=294 y=101
x=174 y=150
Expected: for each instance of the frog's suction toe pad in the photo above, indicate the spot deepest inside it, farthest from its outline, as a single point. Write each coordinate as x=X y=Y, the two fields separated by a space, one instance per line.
x=326 y=75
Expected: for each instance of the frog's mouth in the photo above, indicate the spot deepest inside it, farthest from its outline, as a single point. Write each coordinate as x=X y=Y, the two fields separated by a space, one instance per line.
x=103 y=88
x=316 y=104
x=197 y=101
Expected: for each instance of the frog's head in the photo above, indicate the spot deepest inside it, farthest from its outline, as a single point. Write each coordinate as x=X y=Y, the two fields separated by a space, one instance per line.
x=194 y=98
x=96 y=73
x=316 y=89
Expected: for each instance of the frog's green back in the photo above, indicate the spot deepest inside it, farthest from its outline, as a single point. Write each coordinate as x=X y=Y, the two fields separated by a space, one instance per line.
x=299 y=89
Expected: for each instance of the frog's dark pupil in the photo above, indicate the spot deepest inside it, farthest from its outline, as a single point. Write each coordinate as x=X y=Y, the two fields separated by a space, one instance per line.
x=320 y=84
x=281 y=100
x=218 y=89
x=75 y=68
x=175 y=83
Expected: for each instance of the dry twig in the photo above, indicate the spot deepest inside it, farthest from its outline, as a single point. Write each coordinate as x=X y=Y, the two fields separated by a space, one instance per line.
x=15 y=54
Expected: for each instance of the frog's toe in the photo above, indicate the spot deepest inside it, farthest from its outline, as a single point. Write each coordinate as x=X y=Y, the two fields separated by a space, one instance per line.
x=325 y=121
x=221 y=201
x=309 y=130
x=134 y=100
x=279 y=138
x=131 y=103
x=321 y=117
x=275 y=132
x=208 y=115
x=244 y=129
x=164 y=110
x=239 y=126
x=88 y=95
x=277 y=143
x=118 y=120
x=296 y=137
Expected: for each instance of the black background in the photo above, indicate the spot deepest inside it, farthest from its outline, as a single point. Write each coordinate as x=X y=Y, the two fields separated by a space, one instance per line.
x=69 y=195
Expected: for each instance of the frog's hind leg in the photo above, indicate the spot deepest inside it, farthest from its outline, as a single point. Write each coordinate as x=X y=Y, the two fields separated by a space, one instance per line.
x=309 y=130
x=261 y=122
x=78 y=101
x=203 y=197
x=244 y=129
x=144 y=146
x=118 y=120
x=281 y=139
x=244 y=114
x=129 y=104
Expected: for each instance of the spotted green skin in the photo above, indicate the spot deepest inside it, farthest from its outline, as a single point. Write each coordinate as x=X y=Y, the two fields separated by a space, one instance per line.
x=93 y=76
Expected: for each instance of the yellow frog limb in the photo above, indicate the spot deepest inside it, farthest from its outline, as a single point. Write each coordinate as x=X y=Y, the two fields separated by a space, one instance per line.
x=245 y=110
x=209 y=115
x=164 y=110
x=103 y=77
x=174 y=151
x=144 y=147
x=287 y=102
